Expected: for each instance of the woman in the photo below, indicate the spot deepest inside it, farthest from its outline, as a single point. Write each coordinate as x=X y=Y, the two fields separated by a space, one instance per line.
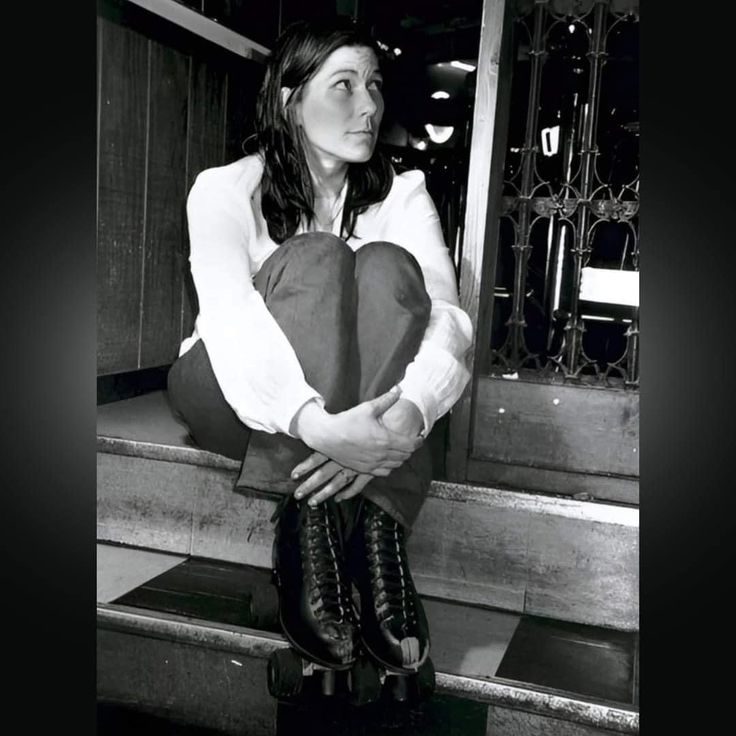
x=328 y=342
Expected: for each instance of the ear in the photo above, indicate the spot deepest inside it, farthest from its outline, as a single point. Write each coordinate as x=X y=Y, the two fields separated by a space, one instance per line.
x=285 y=92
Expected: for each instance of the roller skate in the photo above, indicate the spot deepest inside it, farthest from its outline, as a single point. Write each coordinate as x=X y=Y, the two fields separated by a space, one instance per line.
x=316 y=611
x=393 y=626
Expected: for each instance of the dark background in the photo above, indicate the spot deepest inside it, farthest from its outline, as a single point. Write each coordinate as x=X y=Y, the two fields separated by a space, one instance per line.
x=48 y=309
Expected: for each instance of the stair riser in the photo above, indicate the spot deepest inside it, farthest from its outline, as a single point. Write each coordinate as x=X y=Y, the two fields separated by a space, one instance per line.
x=506 y=722
x=195 y=685
x=563 y=559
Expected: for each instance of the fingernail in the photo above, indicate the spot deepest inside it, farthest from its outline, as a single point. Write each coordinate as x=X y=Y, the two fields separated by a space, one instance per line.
x=312 y=502
x=298 y=495
x=294 y=475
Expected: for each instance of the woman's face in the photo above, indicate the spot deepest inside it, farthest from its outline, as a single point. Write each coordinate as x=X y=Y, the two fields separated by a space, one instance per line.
x=341 y=106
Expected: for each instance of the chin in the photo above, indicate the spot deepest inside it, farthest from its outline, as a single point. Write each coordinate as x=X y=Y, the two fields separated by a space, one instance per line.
x=360 y=154
x=362 y=159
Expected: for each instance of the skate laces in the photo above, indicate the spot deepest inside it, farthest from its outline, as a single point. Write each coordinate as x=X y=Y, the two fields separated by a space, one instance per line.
x=328 y=592
x=393 y=592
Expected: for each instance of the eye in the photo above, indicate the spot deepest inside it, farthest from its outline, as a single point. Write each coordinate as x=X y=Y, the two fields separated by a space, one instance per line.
x=378 y=84
x=346 y=84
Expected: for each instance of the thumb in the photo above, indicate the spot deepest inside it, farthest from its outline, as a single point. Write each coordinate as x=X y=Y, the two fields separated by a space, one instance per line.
x=381 y=403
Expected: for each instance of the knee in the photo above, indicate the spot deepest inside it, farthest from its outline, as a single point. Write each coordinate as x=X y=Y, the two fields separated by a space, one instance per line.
x=322 y=249
x=390 y=270
x=311 y=260
x=386 y=258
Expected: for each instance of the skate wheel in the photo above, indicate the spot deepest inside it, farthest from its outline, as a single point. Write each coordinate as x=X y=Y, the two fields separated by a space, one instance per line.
x=285 y=676
x=364 y=682
x=425 y=679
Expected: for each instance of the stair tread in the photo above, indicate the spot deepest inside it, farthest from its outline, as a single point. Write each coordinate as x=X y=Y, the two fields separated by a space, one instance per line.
x=145 y=418
x=585 y=662
x=145 y=426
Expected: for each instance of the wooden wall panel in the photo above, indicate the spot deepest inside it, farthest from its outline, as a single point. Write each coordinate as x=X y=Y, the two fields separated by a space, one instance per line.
x=121 y=195
x=558 y=427
x=205 y=148
x=205 y=137
x=164 y=236
x=166 y=112
x=242 y=89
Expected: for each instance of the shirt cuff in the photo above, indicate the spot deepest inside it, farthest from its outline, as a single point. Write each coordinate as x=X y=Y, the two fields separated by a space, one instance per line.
x=423 y=400
x=291 y=404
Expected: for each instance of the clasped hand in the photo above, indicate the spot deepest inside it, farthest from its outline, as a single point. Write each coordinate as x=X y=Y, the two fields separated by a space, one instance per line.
x=356 y=445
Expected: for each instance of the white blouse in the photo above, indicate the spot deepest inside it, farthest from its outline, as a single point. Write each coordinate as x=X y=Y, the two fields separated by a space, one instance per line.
x=255 y=366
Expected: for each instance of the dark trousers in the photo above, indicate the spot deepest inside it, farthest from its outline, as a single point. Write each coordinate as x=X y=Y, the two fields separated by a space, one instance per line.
x=355 y=321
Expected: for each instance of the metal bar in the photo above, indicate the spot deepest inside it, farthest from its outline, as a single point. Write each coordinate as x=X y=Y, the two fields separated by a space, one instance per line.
x=507 y=695
x=572 y=357
x=514 y=353
x=208 y=29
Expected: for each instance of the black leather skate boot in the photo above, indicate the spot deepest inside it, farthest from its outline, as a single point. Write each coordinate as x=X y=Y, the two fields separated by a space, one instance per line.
x=393 y=624
x=315 y=607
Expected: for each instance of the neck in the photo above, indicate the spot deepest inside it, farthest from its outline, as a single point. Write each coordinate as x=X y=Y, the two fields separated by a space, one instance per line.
x=328 y=176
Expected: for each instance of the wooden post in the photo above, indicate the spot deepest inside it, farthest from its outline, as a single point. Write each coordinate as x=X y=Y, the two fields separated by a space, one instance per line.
x=480 y=234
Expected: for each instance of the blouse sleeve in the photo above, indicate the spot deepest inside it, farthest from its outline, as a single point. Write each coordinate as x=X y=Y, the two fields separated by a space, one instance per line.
x=436 y=378
x=255 y=366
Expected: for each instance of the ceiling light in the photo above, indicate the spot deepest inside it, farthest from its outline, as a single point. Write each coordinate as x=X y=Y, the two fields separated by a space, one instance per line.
x=440 y=95
x=439 y=133
x=462 y=65
x=397 y=52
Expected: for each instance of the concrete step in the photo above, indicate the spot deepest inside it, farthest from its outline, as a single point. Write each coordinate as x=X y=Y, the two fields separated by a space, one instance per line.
x=188 y=639
x=523 y=552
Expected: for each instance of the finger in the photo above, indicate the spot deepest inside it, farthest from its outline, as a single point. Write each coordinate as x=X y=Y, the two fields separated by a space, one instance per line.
x=381 y=403
x=313 y=461
x=343 y=478
x=318 y=478
x=354 y=488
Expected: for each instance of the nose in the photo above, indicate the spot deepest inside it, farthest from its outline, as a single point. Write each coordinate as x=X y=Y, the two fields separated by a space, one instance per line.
x=366 y=105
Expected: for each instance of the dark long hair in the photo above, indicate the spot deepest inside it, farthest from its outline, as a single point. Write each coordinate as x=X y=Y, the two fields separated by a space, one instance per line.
x=287 y=193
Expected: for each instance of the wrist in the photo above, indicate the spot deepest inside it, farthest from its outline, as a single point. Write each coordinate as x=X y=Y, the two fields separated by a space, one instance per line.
x=309 y=422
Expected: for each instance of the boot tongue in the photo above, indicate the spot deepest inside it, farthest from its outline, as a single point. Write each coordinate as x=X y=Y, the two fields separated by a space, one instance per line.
x=384 y=537
x=328 y=586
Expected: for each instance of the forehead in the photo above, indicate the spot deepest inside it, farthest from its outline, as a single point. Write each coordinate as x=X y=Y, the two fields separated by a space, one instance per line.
x=361 y=59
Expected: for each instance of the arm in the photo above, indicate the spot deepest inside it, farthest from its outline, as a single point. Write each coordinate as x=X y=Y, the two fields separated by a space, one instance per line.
x=435 y=379
x=256 y=367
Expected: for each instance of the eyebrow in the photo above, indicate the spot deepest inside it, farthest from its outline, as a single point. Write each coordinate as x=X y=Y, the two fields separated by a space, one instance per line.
x=354 y=71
